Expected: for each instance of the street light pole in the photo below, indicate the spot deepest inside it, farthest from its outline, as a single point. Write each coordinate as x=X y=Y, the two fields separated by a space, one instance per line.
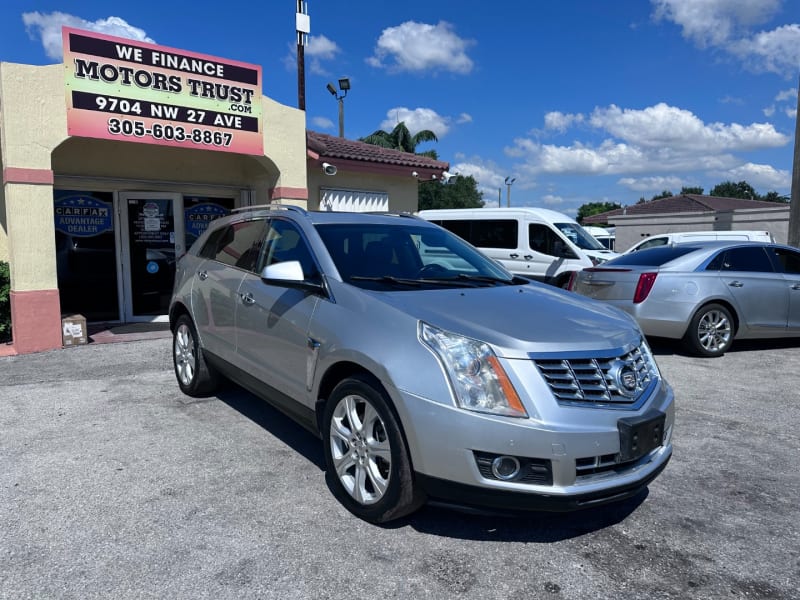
x=344 y=86
x=509 y=181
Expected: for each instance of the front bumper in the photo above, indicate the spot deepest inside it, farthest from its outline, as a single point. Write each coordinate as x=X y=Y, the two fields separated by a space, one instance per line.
x=444 y=440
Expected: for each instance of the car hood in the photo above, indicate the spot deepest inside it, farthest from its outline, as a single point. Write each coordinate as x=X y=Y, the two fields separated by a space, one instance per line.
x=518 y=320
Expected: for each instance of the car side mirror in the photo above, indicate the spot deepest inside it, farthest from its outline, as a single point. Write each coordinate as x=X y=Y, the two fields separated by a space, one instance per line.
x=288 y=273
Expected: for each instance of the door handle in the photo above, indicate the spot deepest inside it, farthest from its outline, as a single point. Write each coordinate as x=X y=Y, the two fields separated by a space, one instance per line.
x=247 y=299
x=203 y=275
x=796 y=286
x=514 y=255
x=736 y=284
x=528 y=256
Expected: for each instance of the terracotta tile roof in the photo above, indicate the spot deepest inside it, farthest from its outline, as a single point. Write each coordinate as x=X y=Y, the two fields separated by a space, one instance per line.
x=329 y=146
x=682 y=204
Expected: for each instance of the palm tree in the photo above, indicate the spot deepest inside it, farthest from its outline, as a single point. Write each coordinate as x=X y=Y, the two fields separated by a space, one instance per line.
x=400 y=138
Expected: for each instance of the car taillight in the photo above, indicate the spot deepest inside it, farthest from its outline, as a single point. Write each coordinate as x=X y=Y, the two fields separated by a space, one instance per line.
x=643 y=287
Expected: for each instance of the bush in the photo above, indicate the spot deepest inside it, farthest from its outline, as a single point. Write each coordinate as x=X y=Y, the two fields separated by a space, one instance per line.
x=5 y=303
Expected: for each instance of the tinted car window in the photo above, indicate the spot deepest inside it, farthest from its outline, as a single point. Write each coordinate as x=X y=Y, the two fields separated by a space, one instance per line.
x=788 y=259
x=652 y=257
x=240 y=244
x=653 y=243
x=284 y=242
x=543 y=239
x=491 y=233
x=752 y=259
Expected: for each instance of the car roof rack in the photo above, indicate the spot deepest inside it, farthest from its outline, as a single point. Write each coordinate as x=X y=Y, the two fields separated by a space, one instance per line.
x=290 y=207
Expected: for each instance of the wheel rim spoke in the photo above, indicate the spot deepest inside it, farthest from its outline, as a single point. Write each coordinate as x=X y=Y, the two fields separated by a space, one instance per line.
x=360 y=449
x=185 y=359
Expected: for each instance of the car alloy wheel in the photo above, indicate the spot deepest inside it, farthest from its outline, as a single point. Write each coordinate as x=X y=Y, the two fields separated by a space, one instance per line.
x=195 y=377
x=711 y=331
x=368 y=468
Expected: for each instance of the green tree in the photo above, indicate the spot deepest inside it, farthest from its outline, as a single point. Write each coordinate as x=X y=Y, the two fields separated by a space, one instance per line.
x=400 y=138
x=460 y=192
x=729 y=189
x=692 y=190
x=663 y=194
x=775 y=197
x=595 y=208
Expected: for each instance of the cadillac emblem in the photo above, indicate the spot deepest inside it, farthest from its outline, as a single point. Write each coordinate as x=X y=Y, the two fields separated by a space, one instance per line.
x=625 y=378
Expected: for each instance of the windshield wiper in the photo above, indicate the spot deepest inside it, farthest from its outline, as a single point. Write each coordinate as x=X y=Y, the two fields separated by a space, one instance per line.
x=485 y=279
x=387 y=279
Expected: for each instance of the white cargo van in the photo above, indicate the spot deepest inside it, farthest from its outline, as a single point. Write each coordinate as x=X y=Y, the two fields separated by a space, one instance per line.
x=535 y=242
x=604 y=235
x=664 y=239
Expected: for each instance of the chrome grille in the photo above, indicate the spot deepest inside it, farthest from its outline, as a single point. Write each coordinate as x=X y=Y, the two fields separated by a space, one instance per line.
x=590 y=380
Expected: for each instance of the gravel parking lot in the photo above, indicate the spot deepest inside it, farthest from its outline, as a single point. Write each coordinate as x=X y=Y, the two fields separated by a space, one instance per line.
x=115 y=485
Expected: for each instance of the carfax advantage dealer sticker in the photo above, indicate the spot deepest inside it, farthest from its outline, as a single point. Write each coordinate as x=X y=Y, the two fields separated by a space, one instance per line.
x=119 y=89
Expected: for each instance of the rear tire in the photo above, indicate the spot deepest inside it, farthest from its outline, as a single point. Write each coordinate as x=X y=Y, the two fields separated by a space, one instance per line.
x=710 y=331
x=368 y=468
x=195 y=377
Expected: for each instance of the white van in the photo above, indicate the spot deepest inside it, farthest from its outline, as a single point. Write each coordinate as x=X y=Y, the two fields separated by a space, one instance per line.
x=604 y=235
x=535 y=242
x=700 y=236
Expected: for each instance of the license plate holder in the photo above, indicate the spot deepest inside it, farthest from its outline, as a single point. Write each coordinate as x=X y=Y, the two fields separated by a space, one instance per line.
x=640 y=435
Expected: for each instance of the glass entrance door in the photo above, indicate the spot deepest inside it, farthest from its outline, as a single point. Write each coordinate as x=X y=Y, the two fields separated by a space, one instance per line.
x=155 y=239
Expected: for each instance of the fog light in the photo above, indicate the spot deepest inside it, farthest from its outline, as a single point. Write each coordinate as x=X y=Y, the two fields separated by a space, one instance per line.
x=505 y=467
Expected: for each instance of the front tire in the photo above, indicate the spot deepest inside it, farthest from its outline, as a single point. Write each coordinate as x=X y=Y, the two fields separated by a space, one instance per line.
x=710 y=331
x=195 y=377
x=368 y=468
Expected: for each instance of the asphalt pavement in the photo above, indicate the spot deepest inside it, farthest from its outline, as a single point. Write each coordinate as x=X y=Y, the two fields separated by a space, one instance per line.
x=115 y=485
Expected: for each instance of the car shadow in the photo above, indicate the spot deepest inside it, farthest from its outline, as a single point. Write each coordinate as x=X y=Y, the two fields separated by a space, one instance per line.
x=270 y=419
x=434 y=519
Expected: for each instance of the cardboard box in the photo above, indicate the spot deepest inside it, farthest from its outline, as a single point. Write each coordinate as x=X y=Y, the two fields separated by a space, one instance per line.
x=73 y=330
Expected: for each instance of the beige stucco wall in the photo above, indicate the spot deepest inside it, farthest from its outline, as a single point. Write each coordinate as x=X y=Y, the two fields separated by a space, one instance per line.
x=633 y=229
x=403 y=190
x=33 y=135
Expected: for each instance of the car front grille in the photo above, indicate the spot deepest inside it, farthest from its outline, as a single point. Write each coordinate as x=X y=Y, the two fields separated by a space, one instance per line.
x=593 y=381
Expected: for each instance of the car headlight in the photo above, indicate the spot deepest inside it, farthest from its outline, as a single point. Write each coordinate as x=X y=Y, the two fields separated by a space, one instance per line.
x=477 y=378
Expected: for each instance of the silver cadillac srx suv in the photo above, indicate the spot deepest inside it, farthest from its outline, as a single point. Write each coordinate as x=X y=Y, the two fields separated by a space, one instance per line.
x=428 y=370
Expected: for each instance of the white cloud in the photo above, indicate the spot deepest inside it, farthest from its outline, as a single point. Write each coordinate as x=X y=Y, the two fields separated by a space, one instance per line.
x=318 y=50
x=561 y=121
x=552 y=201
x=759 y=176
x=489 y=178
x=652 y=184
x=47 y=26
x=417 y=120
x=713 y=22
x=420 y=47
x=667 y=126
x=322 y=123
x=464 y=118
x=728 y=25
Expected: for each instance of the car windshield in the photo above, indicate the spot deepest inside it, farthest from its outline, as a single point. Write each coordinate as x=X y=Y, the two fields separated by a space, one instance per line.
x=383 y=256
x=650 y=257
x=579 y=236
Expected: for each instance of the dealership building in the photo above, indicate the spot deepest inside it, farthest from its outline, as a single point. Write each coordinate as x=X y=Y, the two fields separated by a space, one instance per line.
x=116 y=160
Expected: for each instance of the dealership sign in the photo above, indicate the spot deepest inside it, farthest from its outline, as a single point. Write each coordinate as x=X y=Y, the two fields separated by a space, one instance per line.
x=119 y=89
x=83 y=216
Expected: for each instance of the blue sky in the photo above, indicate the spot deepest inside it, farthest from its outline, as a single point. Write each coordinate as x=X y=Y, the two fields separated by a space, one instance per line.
x=578 y=100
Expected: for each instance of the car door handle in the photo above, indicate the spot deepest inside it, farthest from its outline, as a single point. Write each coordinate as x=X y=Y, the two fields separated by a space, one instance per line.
x=736 y=284
x=528 y=256
x=203 y=275
x=247 y=299
x=514 y=255
x=796 y=286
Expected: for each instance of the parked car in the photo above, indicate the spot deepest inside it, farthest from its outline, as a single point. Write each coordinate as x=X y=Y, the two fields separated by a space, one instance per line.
x=428 y=370
x=680 y=237
x=705 y=293
x=537 y=243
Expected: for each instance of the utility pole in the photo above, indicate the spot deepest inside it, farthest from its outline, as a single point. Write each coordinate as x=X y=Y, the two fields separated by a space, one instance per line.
x=794 y=205
x=303 y=27
x=509 y=181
